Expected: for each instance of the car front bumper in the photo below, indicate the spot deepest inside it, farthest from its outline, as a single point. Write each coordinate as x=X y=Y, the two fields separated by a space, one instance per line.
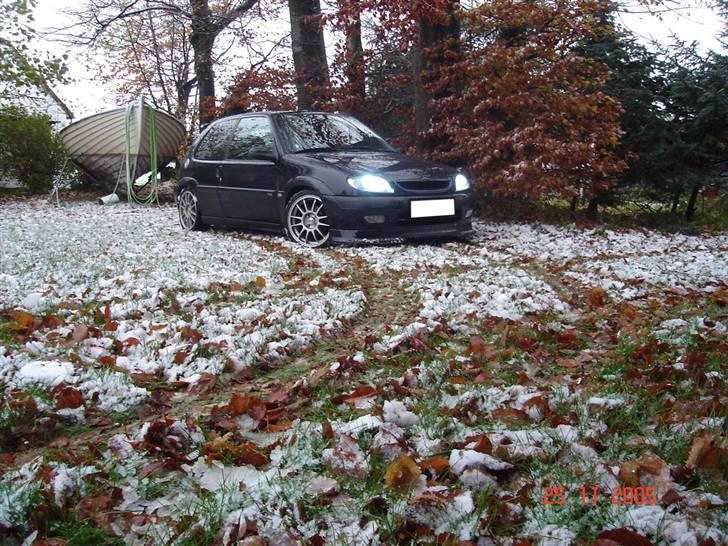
x=369 y=217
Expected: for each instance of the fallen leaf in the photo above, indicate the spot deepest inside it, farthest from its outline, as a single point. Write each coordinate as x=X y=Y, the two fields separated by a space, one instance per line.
x=566 y=338
x=482 y=443
x=204 y=385
x=252 y=405
x=402 y=474
x=435 y=465
x=597 y=296
x=360 y=392
x=510 y=416
x=22 y=321
x=191 y=335
x=705 y=453
x=629 y=473
x=260 y=282
x=80 y=332
x=624 y=537
x=68 y=398
x=180 y=357
x=429 y=499
x=225 y=448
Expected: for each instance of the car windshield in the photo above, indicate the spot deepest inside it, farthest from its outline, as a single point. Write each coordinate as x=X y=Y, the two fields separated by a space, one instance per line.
x=324 y=132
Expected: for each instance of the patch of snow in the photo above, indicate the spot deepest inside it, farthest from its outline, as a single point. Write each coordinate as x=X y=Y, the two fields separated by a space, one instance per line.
x=396 y=412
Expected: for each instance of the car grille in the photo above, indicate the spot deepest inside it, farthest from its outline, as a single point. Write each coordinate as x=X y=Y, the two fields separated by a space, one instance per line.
x=424 y=185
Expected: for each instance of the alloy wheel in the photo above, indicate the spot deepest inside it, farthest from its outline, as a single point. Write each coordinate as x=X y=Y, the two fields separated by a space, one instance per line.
x=187 y=207
x=307 y=221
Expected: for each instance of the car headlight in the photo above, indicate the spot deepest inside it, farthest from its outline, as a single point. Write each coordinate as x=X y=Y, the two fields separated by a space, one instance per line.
x=461 y=182
x=371 y=183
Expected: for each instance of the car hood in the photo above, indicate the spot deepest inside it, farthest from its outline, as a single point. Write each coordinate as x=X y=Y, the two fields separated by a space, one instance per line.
x=392 y=165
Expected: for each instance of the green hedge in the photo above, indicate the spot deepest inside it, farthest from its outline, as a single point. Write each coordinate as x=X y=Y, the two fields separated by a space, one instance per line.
x=30 y=150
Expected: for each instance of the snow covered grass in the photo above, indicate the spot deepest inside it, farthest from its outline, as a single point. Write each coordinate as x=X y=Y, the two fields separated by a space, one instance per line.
x=224 y=387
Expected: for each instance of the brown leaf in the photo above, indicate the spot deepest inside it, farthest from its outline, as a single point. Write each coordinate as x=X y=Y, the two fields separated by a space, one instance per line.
x=107 y=360
x=52 y=322
x=569 y=363
x=510 y=416
x=402 y=474
x=477 y=346
x=191 y=335
x=429 y=499
x=624 y=537
x=597 y=296
x=482 y=443
x=279 y=395
x=327 y=431
x=80 y=332
x=435 y=465
x=682 y=474
x=242 y=453
x=629 y=473
x=68 y=398
x=359 y=392
x=705 y=453
x=250 y=404
x=22 y=321
x=204 y=385
x=525 y=343
x=651 y=464
x=260 y=282
x=671 y=497
x=566 y=338
x=180 y=357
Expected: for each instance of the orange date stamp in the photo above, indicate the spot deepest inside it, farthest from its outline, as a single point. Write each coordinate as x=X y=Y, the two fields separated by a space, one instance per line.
x=590 y=495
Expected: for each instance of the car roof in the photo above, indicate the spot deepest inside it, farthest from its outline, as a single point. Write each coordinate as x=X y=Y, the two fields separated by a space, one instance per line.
x=274 y=112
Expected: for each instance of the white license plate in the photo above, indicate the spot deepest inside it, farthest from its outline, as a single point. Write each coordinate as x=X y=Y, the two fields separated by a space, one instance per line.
x=432 y=207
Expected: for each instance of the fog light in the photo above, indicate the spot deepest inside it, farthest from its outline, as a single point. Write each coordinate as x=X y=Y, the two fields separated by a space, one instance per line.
x=468 y=213
x=374 y=219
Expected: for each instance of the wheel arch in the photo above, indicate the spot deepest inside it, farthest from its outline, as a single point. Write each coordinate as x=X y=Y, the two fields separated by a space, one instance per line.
x=302 y=183
x=183 y=183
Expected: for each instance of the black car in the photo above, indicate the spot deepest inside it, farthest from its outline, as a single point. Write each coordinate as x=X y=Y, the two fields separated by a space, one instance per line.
x=321 y=177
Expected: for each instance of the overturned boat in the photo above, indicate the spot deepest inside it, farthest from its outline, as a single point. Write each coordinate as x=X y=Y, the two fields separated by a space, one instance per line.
x=117 y=146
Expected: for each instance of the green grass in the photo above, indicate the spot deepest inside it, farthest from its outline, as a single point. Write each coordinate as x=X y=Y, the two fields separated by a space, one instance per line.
x=81 y=533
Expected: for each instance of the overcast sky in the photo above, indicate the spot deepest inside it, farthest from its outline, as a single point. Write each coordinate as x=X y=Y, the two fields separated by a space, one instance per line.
x=87 y=96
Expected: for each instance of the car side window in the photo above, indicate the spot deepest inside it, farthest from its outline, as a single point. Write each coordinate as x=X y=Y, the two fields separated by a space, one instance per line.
x=251 y=137
x=212 y=146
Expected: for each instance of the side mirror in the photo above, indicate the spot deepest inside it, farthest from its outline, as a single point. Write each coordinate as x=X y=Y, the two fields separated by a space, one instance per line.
x=261 y=152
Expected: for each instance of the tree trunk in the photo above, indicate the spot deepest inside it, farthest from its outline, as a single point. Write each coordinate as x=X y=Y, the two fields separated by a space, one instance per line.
x=690 y=212
x=675 y=201
x=355 y=58
x=309 y=52
x=593 y=207
x=202 y=40
x=431 y=35
x=573 y=204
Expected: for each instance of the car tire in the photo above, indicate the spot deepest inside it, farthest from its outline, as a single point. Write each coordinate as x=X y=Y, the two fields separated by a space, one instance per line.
x=306 y=220
x=188 y=209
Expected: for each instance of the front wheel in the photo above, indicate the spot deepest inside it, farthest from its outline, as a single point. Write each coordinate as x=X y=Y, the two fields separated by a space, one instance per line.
x=306 y=220
x=188 y=208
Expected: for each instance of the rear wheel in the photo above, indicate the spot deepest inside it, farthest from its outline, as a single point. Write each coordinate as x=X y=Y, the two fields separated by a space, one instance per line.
x=306 y=220
x=188 y=208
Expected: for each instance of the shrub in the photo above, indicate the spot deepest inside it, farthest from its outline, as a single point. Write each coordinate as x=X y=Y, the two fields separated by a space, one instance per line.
x=30 y=150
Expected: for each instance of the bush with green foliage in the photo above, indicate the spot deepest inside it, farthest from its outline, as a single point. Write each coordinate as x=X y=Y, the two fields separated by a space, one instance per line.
x=30 y=150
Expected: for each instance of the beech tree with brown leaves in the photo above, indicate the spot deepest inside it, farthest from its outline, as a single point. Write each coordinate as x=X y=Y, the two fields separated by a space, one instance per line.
x=521 y=109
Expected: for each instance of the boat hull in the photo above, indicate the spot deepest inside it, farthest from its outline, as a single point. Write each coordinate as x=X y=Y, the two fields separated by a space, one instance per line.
x=98 y=143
